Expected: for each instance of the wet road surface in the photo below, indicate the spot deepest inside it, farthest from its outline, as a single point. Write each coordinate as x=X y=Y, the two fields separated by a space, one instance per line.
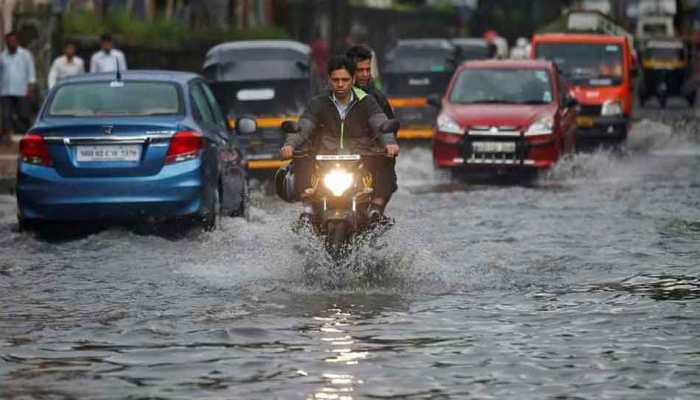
x=582 y=285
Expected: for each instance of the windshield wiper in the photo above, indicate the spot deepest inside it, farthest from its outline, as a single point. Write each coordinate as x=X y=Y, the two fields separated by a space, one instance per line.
x=533 y=102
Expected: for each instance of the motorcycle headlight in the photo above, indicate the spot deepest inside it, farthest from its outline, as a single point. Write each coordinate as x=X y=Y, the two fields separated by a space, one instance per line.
x=448 y=125
x=543 y=126
x=338 y=181
x=611 y=108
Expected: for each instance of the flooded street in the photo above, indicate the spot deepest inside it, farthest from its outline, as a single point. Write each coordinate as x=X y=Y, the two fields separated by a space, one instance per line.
x=583 y=285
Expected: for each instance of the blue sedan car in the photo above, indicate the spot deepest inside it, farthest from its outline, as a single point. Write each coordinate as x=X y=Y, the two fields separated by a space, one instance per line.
x=138 y=146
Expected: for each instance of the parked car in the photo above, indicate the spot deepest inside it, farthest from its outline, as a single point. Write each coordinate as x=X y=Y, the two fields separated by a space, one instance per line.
x=272 y=80
x=415 y=69
x=599 y=69
x=135 y=146
x=504 y=116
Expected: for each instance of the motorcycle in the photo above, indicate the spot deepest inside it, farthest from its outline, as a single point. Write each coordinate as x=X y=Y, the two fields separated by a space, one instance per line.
x=341 y=192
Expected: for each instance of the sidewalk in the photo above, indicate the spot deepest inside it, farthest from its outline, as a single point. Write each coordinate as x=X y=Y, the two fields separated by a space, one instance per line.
x=8 y=165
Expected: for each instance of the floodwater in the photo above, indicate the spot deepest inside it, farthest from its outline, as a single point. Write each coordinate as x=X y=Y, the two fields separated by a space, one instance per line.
x=582 y=285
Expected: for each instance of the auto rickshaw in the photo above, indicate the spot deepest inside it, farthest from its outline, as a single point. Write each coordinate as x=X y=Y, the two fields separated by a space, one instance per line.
x=416 y=69
x=271 y=80
x=666 y=72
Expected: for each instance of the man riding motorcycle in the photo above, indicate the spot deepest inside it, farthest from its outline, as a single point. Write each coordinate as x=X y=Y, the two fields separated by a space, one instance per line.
x=345 y=121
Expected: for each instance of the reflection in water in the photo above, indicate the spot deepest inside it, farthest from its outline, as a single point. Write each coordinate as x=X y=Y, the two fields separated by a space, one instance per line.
x=342 y=354
x=658 y=287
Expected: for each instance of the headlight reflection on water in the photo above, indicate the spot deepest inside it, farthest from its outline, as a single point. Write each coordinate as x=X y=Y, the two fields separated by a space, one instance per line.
x=340 y=385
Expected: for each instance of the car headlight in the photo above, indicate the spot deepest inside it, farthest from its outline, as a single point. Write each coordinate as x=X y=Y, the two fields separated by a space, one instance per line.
x=338 y=181
x=611 y=108
x=543 y=126
x=448 y=125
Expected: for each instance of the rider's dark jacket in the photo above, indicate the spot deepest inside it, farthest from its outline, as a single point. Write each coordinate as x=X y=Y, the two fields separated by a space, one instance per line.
x=381 y=99
x=357 y=133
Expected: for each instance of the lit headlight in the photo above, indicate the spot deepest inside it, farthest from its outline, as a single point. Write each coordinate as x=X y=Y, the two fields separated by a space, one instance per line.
x=543 y=126
x=338 y=181
x=611 y=108
x=448 y=125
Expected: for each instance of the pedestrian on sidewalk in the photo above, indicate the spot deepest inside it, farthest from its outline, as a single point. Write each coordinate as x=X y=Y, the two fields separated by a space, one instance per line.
x=17 y=87
x=66 y=65
x=107 y=58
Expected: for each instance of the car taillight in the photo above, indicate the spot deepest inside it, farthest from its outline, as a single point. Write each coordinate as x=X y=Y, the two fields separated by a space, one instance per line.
x=184 y=145
x=33 y=150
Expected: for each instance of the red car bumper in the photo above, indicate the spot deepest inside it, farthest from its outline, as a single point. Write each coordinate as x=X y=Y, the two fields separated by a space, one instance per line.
x=458 y=151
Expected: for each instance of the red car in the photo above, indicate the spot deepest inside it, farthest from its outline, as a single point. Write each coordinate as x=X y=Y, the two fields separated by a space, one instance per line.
x=504 y=116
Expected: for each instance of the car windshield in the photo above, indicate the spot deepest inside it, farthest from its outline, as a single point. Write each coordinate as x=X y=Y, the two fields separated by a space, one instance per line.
x=116 y=99
x=655 y=29
x=502 y=86
x=585 y=61
x=474 y=52
x=664 y=53
x=257 y=64
x=419 y=59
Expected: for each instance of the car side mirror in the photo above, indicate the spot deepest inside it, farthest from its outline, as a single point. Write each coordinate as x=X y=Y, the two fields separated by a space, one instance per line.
x=290 y=127
x=570 y=101
x=390 y=126
x=434 y=100
x=246 y=126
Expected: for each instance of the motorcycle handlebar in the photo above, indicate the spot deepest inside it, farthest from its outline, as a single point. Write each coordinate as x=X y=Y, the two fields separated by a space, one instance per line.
x=304 y=154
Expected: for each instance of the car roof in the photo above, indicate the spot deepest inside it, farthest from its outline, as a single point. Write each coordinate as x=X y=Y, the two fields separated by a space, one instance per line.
x=260 y=44
x=577 y=38
x=509 y=63
x=470 y=42
x=664 y=43
x=136 y=75
x=417 y=43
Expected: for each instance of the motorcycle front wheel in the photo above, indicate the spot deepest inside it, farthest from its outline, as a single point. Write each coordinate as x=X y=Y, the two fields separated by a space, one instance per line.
x=337 y=239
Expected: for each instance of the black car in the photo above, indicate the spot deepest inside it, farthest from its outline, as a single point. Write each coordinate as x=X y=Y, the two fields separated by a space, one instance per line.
x=415 y=70
x=474 y=49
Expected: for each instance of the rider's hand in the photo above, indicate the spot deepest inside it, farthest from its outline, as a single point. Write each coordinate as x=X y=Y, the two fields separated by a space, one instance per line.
x=287 y=152
x=392 y=150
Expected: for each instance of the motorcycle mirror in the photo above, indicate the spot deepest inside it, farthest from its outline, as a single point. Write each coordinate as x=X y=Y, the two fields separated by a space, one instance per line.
x=390 y=126
x=290 y=127
x=246 y=125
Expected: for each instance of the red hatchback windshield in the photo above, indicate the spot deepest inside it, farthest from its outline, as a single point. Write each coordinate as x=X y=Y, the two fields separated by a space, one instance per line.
x=500 y=85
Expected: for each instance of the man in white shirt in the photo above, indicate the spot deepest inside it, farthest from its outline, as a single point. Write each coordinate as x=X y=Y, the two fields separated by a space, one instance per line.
x=107 y=58
x=66 y=65
x=17 y=80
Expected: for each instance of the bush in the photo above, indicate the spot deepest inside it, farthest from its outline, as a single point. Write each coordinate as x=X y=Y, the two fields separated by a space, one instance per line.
x=161 y=30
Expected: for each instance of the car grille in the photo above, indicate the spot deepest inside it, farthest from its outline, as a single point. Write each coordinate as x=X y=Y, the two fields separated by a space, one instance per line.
x=590 y=109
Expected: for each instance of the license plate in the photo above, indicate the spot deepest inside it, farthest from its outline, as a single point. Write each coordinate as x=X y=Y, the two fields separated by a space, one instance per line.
x=584 y=122
x=494 y=147
x=108 y=153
